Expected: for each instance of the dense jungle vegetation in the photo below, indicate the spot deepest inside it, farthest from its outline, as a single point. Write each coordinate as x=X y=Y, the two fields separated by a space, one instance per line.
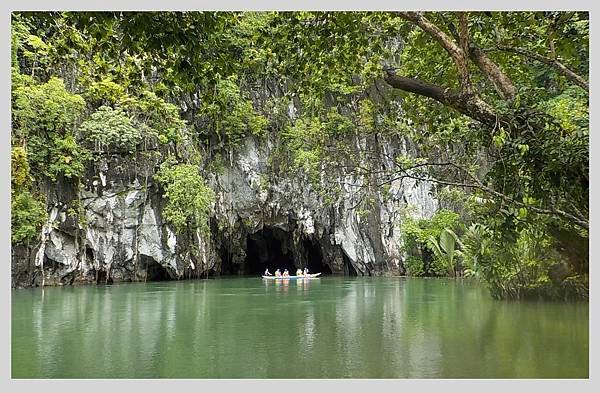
x=498 y=103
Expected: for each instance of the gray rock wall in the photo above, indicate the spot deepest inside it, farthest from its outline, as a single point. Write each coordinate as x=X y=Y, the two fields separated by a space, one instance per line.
x=122 y=236
x=370 y=242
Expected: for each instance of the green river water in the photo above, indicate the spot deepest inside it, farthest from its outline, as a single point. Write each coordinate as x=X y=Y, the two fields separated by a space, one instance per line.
x=334 y=327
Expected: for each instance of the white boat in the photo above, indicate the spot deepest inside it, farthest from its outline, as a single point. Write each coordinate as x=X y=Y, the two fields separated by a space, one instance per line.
x=316 y=275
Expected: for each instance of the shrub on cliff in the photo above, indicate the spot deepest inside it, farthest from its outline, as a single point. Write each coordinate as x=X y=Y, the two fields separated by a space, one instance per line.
x=189 y=199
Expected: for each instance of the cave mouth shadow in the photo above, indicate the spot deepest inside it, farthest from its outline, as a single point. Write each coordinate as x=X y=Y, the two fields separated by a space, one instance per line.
x=273 y=248
x=349 y=269
x=152 y=270
x=314 y=257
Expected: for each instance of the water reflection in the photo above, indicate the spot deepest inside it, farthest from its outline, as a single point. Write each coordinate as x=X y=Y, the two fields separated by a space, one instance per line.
x=330 y=327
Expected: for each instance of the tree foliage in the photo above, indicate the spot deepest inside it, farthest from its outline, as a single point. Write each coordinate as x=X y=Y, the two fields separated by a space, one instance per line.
x=68 y=107
x=45 y=117
x=445 y=251
x=111 y=127
x=189 y=199
x=427 y=246
x=28 y=213
x=232 y=114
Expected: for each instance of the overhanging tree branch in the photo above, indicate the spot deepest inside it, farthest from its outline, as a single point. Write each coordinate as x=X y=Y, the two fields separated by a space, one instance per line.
x=465 y=101
x=454 y=50
x=576 y=219
x=467 y=104
x=502 y=83
x=499 y=79
x=463 y=40
x=560 y=67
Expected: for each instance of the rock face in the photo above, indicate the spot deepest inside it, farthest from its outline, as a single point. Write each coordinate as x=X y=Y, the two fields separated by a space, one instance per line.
x=260 y=219
x=350 y=240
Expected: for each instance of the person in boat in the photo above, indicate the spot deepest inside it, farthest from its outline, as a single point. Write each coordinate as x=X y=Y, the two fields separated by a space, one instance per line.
x=299 y=272
x=306 y=271
x=286 y=273
x=267 y=272
x=277 y=273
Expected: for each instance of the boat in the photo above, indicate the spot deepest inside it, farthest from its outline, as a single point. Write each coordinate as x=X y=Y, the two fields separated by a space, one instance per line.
x=316 y=275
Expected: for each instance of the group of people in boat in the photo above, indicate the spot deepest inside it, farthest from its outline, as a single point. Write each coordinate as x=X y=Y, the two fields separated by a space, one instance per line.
x=299 y=273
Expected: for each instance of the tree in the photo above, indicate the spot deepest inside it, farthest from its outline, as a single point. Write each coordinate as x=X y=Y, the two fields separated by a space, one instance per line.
x=532 y=147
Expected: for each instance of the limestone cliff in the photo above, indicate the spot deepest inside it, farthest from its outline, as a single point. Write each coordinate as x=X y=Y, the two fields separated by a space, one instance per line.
x=260 y=219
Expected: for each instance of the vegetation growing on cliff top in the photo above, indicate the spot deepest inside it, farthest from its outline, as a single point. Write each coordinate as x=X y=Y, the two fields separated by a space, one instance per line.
x=497 y=103
x=59 y=130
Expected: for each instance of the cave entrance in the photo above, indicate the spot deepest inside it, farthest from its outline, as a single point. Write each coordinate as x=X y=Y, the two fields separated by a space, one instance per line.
x=314 y=257
x=152 y=270
x=227 y=265
x=269 y=248
x=101 y=276
x=273 y=248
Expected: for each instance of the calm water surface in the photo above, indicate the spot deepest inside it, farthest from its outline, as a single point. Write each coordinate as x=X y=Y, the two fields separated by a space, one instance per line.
x=334 y=327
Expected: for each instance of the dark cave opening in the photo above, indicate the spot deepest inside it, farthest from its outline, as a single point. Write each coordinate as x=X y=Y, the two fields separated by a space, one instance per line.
x=227 y=265
x=152 y=270
x=314 y=257
x=100 y=276
x=272 y=248
x=89 y=254
x=268 y=248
